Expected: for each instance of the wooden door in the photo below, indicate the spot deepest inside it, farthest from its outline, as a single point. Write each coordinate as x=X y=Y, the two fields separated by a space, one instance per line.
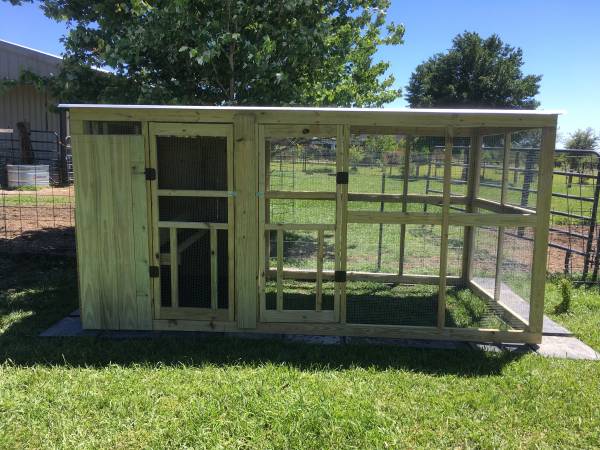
x=112 y=232
x=299 y=218
x=193 y=220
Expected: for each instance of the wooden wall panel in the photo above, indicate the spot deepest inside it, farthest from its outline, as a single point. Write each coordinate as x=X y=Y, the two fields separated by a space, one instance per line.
x=112 y=235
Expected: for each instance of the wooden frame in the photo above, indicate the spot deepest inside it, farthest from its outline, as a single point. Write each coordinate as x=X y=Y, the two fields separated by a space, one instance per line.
x=248 y=223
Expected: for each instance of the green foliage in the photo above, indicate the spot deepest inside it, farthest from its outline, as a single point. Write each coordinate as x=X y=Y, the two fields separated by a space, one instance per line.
x=245 y=52
x=566 y=288
x=474 y=73
x=583 y=139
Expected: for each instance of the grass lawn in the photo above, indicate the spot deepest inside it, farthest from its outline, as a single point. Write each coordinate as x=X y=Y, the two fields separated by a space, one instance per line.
x=223 y=392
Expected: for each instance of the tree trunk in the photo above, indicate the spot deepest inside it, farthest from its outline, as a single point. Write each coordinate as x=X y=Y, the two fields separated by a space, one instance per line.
x=25 y=138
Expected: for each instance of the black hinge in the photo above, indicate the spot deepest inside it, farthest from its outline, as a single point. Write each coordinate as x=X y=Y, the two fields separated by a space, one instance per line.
x=339 y=276
x=341 y=178
x=150 y=174
x=154 y=271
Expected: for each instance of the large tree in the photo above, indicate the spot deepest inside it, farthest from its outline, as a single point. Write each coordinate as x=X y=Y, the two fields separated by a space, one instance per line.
x=310 y=52
x=583 y=139
x=474 y=73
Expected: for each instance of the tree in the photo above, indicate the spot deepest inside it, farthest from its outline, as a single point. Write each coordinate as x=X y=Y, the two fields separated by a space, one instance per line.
x=311 y=52
x=583 y=139
x=474 y=73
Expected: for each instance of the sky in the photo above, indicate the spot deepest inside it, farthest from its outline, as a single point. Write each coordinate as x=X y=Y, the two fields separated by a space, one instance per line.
x=560 y=40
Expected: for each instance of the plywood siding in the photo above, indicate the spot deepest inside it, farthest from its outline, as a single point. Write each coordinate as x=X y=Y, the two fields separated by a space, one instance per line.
x=112 y=232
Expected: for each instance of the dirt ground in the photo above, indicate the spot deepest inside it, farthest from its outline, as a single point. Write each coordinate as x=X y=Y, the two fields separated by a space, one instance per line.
x=30 y=229
x=556 y=256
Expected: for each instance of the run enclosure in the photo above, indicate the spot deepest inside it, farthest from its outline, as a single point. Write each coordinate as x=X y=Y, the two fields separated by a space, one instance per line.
x=311 y=221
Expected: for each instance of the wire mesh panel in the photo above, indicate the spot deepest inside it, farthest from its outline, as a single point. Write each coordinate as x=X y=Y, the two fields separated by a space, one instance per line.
x=301 y=163
x=290 y=252
x=373 y=248
x=484 y=257
x=302 y=211
x=422 y=250
x=370 y=302
x=426 y=165
x=376 y=163
x=466 y=309
x=491 y=168
x=198 y=162
x=517 y=263
x=195 y=262
x=522 y=185
x=461 y=156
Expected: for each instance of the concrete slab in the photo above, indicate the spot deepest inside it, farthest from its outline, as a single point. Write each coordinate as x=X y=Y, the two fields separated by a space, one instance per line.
x=521 y=307
x=566 y=347
x=552 y=346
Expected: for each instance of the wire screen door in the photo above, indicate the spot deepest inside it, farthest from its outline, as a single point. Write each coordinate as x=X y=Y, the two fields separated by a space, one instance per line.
x=193 y=220
x=299 y=166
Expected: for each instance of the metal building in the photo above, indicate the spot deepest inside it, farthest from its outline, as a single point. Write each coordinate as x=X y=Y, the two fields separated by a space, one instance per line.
x=34 y=106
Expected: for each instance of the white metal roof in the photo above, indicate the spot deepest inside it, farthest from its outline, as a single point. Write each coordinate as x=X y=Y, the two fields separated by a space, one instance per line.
x=329 y=109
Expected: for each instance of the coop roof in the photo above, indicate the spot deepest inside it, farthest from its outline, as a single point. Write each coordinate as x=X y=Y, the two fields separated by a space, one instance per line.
x=331 y=115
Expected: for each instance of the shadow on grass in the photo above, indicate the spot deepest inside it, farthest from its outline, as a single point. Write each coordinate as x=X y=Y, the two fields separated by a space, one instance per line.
x=38 y=291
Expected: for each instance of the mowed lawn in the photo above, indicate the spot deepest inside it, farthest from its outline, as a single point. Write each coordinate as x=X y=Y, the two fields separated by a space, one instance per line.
x=214 y=392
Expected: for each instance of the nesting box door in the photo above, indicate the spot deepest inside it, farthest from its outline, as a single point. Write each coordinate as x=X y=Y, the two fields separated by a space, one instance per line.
x=192 y=211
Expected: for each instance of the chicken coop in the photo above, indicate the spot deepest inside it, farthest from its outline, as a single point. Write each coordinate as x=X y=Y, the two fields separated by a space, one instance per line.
x=322 y=221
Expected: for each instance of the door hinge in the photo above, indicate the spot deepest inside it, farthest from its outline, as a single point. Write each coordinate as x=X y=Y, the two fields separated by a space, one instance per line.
x=339 y=276
x=154 y=271
x=341 y=178
x=150 y=174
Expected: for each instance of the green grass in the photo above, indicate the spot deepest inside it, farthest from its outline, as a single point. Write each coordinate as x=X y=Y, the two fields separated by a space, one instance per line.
x=216 y=392
x=36 y=200
x=583 y=319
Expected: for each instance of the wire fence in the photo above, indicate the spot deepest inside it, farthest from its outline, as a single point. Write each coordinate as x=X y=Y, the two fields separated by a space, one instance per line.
x=36 y=199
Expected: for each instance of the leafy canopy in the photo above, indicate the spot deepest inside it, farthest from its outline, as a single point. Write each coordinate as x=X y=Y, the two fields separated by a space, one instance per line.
x=311 y=52
x=474 y=73
x=583 y=139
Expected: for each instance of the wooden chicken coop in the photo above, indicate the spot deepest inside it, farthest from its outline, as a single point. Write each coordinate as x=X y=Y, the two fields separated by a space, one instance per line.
x=324 y=221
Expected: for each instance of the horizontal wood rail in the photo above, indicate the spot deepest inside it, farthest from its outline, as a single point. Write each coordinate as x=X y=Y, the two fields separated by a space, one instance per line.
x=192 y=225
x=300 y=195
x=328 y=275
x=192 y=193
x=300 y=226
x=497 y=207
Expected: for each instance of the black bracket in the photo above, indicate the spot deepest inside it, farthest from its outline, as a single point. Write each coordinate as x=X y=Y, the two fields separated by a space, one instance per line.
x=154 y=271
x=341 y=178
x=150 y=174
x=339 y=276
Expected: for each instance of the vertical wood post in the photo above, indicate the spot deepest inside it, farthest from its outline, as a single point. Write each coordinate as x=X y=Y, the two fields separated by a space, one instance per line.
x=246 y=219
x=174 y=265
x=540 y=246
x=503 y=192
x=341 y=225
x=409 y=144
x=472 y=193
x=441 y=309
x=320 y=249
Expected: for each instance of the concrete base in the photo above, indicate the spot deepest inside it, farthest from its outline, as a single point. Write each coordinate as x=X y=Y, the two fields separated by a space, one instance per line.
x=564 y=346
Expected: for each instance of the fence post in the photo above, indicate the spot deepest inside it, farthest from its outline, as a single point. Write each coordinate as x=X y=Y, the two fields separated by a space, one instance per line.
x=590 y=239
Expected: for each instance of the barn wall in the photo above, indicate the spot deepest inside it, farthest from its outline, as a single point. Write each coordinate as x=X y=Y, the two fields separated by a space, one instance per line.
x=26 y=103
